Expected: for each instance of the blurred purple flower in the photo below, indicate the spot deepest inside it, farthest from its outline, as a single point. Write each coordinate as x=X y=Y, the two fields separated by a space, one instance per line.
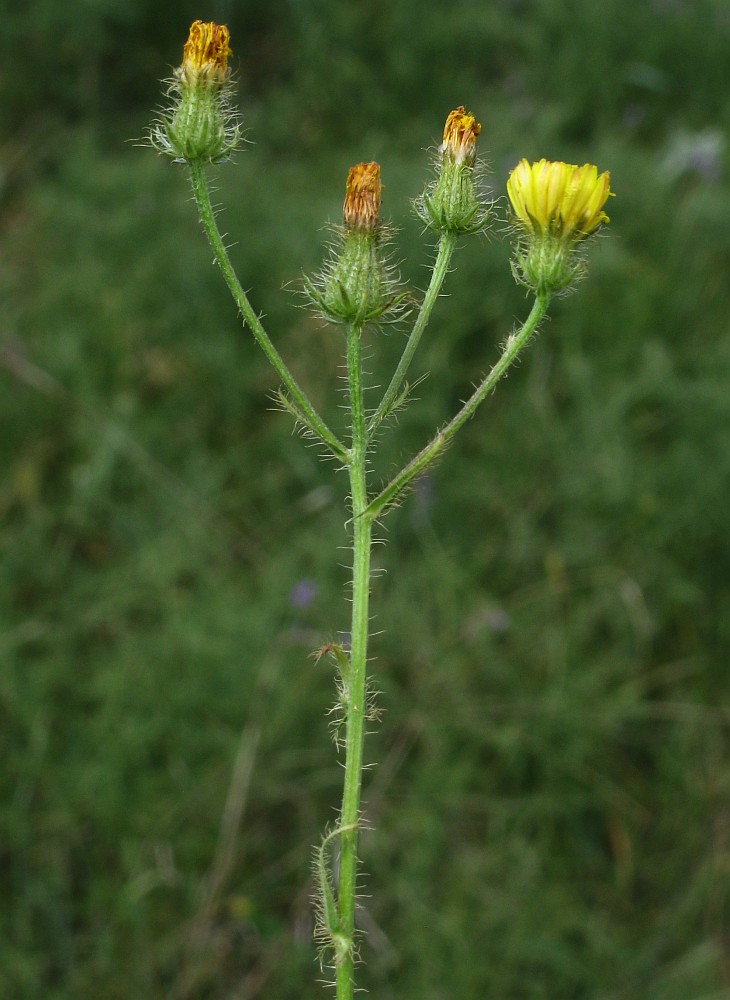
x=303 y=593
x=498 y=620
x=487 y=616
x=699 y=153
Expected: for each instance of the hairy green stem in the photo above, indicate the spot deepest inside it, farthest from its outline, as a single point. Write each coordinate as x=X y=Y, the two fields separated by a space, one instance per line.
x=439 y=442
x=339 y=912
x=207 y=217
x=355 y=689
x=446 y=245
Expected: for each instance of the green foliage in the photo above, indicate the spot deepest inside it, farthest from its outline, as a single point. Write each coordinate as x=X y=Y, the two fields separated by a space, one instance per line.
x=550 y=801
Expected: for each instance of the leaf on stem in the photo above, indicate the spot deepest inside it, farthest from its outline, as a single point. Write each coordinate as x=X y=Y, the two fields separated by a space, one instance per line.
x=329 y=933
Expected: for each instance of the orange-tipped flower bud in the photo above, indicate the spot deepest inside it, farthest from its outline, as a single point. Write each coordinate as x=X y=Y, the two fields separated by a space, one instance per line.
x=207 y=50
x=201 y=124
x=460 y=135
x=362 y=197
x=452 y=204
x=357 y=286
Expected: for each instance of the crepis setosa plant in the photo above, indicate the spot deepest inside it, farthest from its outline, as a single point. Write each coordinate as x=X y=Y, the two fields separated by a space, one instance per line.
x=555 y=207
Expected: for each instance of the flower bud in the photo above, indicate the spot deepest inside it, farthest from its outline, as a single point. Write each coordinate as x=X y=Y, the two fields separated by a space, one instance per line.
x=556 y=206
x=200 y=123
x=452 y=204
x=357 y=286
x=362 y=198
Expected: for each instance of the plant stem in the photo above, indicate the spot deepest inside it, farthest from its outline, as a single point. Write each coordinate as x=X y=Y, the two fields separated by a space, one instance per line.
x=446 y=245
x=207 y=218
x=438 y=443
x=356 y=686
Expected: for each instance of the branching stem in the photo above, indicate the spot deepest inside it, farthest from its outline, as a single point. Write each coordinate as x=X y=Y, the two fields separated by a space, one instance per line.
x=339 y=913
x=313 y=420
x=446 y=245
x=439 y=442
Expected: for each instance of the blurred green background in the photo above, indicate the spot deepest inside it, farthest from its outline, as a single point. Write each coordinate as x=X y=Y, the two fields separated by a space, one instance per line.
x=551 y=802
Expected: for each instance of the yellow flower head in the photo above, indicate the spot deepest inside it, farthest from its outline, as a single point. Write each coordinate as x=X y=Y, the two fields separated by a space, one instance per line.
x=206 y=52
x=559 y=199
x=362 y=197
x=460 y=135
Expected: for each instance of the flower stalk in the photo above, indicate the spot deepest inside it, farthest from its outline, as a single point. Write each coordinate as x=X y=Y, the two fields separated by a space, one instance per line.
x=398 y=389
x=303 y=409
x=437 y=445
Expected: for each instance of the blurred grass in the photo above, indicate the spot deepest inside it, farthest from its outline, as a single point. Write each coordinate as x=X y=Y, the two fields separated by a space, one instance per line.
x=551 y=798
